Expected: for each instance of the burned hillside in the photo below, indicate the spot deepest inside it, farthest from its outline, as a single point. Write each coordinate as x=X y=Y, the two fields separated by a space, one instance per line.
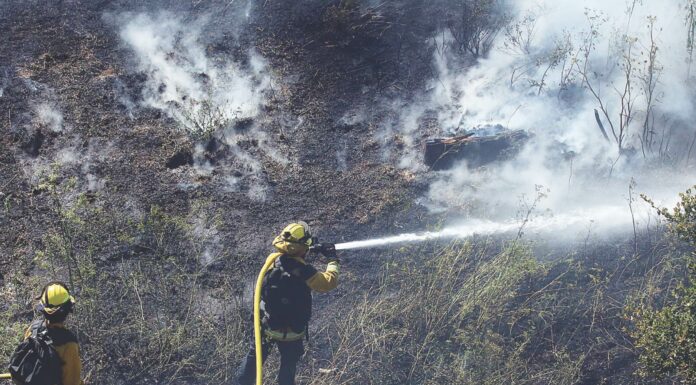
x=151 y=151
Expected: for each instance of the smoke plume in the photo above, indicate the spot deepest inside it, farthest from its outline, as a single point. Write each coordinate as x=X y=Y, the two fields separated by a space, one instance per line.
x=49 y=116
x=547 y=71
x=209 y=92
x=184 y=81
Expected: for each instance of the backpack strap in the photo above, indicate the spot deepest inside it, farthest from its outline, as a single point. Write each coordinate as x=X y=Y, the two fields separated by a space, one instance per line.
x=295 y=268
x=61 y=336
x=36 y=327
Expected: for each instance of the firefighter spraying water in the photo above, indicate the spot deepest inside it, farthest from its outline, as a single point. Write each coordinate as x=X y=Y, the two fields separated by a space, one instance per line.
x=282 y=298
x=283 y=302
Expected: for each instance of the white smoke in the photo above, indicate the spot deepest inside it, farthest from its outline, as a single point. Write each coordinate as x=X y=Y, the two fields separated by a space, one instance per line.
x=67 y=156
x=504 y=87
x=73 y=158
x=210 y=95
x=4 y=83
x=533 y=80
x=400 y=133
x=205 y=235
x=123 y=98
x=49 y=116
x=202 y=95
x=342 y=158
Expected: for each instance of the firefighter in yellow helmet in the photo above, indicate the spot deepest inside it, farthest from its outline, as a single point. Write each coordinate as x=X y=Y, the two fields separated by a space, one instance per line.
x=55 y=303
x=286 y=300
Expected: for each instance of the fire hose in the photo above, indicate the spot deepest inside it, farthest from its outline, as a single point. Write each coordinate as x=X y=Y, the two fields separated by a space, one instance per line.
x=257 y=319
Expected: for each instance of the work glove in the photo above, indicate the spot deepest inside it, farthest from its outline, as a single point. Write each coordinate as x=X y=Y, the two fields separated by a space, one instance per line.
x=328 y=250
x=333 y=267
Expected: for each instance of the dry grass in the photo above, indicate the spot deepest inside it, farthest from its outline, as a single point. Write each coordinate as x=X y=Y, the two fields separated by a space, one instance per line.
x=463 y=316
x=149 y=312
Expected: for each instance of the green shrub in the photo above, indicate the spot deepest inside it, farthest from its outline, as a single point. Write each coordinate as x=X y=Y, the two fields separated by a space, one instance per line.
x=666 y=337
x=682 y=218
x=462 y=317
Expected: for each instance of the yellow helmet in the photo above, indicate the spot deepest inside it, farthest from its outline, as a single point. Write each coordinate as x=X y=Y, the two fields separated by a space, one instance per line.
x=296 y=238
x=298 y=232
x=56 y=296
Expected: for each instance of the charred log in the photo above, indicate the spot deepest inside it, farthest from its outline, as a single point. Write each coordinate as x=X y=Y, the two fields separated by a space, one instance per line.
x=442 y=154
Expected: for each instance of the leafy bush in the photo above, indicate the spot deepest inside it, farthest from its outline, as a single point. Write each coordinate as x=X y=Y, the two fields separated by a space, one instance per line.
x=682 y=218
x=666 y=337
x=475 y=24
x=462 y=316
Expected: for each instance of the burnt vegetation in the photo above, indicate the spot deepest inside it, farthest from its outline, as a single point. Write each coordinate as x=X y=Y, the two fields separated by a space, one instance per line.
x=160 y=247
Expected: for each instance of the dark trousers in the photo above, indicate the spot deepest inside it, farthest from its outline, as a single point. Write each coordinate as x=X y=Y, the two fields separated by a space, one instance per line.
x=290 y=353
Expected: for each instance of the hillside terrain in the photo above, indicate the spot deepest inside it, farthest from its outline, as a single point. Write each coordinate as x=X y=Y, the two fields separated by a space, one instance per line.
x=150 y=151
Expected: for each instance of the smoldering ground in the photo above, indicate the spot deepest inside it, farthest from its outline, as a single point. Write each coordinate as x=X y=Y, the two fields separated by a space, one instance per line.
x=150 y=227
x=212 y=97
x=547 y=68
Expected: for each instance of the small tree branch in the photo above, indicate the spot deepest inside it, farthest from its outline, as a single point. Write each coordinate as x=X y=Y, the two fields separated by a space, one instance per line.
x=601 y=126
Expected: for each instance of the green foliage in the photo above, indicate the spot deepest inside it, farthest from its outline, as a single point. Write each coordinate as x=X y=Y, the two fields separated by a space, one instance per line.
x=163 y=325
x=144 y=313
x=10 y=333
x=12 y=329
x=666 y=337
x=462 y=316
x=682 y=218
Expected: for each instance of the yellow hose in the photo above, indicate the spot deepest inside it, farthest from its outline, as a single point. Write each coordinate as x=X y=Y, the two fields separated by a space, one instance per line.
x=257 y=319
x=5 y=376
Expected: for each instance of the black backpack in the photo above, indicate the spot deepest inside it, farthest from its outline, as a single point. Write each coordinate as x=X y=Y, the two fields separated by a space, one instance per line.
x=287 y=300
x=35 y=361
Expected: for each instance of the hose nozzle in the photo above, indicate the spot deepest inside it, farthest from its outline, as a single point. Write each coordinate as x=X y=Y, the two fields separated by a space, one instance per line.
x=326 y=249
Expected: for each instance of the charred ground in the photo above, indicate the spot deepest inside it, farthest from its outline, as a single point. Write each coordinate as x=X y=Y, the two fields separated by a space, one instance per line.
x=329 y=59
x=126 y=219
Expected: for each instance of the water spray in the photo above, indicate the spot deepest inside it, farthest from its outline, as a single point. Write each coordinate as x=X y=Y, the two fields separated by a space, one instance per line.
x=612 y=216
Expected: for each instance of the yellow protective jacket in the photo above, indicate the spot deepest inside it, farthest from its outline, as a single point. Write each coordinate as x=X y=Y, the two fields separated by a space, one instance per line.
x=290 y=258
x=65 y=343
x=319 y=281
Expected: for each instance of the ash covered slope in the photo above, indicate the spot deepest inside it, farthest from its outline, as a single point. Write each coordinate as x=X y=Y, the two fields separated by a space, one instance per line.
x=151 y=151
x=103 y=185
x=79 y=105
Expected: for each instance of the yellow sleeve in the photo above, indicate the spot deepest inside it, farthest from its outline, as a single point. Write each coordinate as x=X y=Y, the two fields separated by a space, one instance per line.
x=72 y=367
x=324 y=281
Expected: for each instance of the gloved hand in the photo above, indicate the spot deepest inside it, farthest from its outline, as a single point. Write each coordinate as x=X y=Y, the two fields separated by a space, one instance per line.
x=328 y=250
